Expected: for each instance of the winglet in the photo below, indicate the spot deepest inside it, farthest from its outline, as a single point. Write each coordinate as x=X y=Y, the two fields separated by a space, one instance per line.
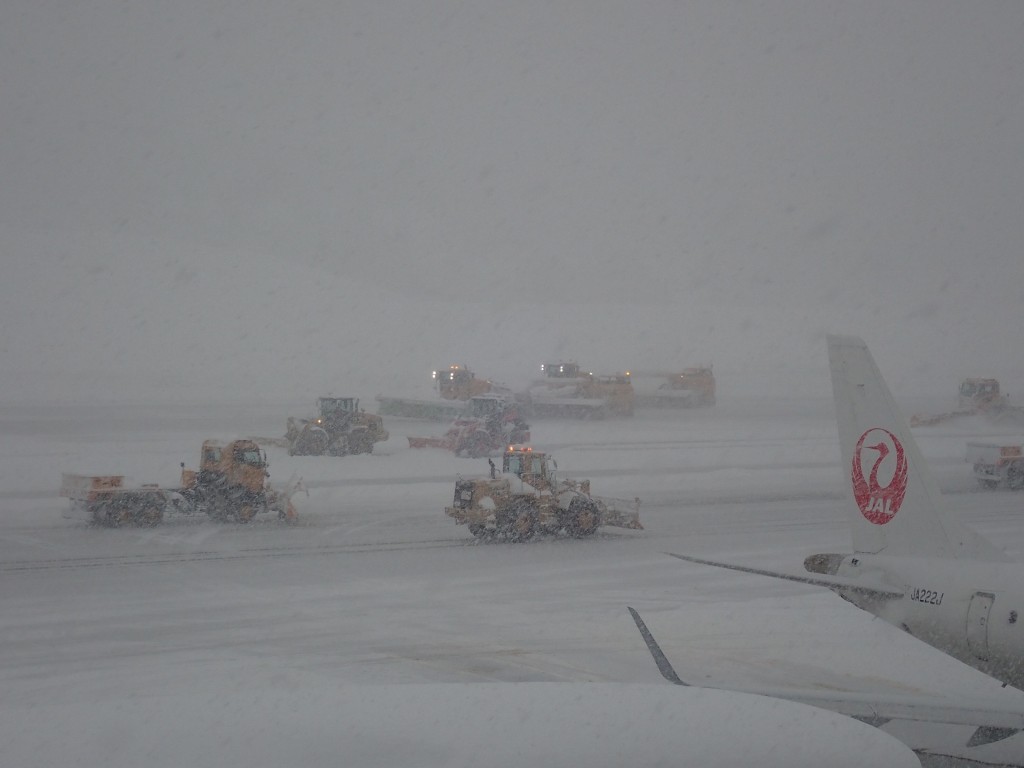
x=992 y=725
x=664 y=665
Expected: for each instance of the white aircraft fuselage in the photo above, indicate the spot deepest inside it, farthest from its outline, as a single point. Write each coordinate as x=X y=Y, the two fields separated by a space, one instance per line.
x=971 y=609
x=914 y=563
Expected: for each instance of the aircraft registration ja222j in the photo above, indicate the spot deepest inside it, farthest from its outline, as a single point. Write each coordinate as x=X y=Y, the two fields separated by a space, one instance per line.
x=913 y=564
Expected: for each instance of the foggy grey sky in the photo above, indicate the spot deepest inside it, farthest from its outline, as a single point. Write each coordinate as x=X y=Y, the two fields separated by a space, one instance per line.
x=280 y=196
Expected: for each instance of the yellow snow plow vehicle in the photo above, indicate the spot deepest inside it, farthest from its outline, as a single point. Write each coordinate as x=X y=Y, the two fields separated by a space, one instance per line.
x=567 y=391
x=341 y=429
x=460 y=383
x=455 y=384
x=526 y=499
x=230 y=484
x=976 y=397
x=689 y=388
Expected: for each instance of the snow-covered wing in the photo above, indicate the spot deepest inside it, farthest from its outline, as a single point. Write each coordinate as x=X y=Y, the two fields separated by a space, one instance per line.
x=993 y=722
x=832 y=582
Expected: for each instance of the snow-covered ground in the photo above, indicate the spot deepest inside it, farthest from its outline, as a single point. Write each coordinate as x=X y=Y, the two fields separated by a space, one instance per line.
x=375 y=585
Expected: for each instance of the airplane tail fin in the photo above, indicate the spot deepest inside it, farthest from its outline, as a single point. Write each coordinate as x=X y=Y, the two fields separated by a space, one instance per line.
x=897 y=507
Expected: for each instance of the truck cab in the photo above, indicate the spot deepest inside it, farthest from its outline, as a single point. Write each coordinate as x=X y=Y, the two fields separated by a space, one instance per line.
x=533 y=467
x=240 y=463
x=336 y=412
x=978 y=392
x=561 y=370
x=459 y=383
x=700 y=381
x=336 y=406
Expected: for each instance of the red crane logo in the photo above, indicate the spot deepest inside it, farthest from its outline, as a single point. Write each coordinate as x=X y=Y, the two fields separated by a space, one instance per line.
x=879 y=503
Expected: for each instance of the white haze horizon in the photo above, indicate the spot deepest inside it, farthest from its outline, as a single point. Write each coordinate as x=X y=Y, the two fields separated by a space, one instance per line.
x=265 y=201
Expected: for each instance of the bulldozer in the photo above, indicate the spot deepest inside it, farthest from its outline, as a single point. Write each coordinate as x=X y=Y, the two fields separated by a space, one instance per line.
x=526 y=498
x=491 y=422
x=341 y=429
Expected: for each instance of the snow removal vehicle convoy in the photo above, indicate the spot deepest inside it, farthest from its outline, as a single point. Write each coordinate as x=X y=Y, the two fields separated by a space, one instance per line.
x=523 y=500
x=565 y=391
x=231 y=484
x=965 y=612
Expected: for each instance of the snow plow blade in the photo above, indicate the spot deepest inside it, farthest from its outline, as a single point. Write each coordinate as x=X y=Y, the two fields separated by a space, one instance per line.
x=430 y=410
x=619 y=513
x=928 y=419
x=431 y=442
x=279 y=499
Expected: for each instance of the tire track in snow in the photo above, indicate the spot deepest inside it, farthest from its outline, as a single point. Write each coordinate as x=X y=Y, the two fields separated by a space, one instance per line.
x=108 y=561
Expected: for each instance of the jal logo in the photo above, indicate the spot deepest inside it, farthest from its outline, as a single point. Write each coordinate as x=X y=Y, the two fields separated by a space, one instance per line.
x=880 y=495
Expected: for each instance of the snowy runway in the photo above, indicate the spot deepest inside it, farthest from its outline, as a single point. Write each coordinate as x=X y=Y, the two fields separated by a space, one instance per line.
x=376 y=585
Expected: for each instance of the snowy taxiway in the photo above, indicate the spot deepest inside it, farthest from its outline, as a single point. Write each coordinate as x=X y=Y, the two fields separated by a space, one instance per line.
x=376 y=586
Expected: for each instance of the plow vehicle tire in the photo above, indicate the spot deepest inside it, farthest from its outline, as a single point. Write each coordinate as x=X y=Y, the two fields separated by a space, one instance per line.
x=104 y=513
x=245 y=513
x=145 y=511
x=360 y=443
x=312 y=441
x=150 y=514
x=339 y=446
x=481 y=531
x=583 y=518
x=519 y=522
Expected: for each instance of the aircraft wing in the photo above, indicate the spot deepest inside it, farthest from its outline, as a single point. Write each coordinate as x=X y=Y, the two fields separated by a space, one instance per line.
x=818 y=580
x=992 y=723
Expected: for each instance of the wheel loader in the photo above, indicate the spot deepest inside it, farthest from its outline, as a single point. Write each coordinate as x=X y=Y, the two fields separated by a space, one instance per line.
x=341 y=429
x=526 y=498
